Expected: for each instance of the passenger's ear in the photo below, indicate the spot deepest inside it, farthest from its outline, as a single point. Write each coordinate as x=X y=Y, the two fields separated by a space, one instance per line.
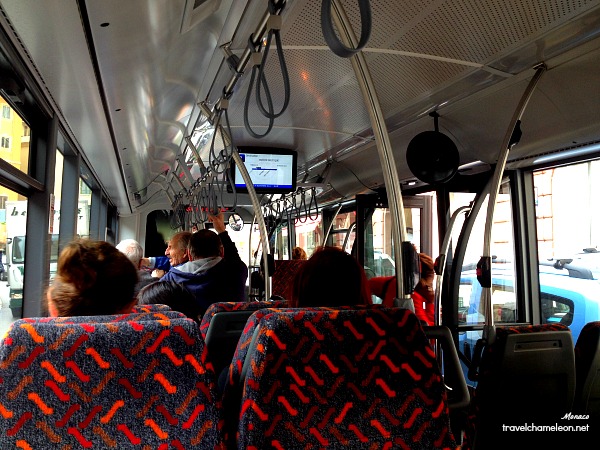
x=51 y=306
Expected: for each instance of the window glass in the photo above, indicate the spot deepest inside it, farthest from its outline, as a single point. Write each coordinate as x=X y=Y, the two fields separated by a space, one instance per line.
x=14 y=138
x=458 y=200
x=343 y=231
x=13 y=217
x=568 y=234
x=83 y=212
x=309 y=233
x=55 y=203
x=380 y=255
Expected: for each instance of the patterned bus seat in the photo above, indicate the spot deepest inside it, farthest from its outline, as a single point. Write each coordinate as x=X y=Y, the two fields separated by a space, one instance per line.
x=151 y=308
x=342 y=379
x=587 y=370
x=245 y=338
x=283 y=275
x=526 y=375
x=107 y=385
x=223 y=327
x=134 y=316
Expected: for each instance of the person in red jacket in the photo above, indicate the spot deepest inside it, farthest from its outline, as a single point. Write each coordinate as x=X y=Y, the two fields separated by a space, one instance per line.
x=423 y=295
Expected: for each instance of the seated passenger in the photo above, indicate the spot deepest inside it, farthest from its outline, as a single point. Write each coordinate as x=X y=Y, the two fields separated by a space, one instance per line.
x=423 y=295
x=330 y=277
x=298 y=253
x=92 y=278
x=214 y=272
x=170 y=293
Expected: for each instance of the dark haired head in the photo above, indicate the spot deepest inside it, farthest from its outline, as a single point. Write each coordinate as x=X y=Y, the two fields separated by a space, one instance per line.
x=298 y=253
x=92 y=278
x=330 y=277
x=204 y=244
x=170 y=293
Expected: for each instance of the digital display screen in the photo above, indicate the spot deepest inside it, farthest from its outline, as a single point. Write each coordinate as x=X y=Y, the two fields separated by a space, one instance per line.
x=271 y=170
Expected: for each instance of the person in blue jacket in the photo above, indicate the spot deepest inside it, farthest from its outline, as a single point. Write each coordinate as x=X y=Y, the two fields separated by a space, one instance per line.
x=176 y=254
x=214 y=271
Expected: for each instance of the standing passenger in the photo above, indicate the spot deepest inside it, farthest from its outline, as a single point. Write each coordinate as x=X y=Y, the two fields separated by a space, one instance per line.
x=214 y=271
x=175 y=255
x=92 y=278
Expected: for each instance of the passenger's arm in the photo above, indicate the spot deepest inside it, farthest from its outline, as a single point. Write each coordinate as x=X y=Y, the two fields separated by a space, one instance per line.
x=230 y=252
x=156 y=262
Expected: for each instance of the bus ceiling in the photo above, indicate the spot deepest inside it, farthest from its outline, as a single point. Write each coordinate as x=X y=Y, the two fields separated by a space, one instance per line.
x=152 y=76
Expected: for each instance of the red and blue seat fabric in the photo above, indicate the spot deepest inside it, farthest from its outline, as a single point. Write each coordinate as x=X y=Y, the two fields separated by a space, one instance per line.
x=245 y=338
x=283 y=275
x=133 y=316
x=104 y=385
x=150 y=308
x=360 y=378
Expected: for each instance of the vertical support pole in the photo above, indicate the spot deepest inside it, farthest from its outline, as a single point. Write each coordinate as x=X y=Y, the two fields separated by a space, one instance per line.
x=384 y=148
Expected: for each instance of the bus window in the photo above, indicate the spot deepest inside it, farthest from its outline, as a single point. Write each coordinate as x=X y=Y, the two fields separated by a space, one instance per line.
x=343 y=231
x=309 y=233
x=15 y=137
x=13 y=217
x=85 y=206
x=419 y=215
x=568 y=237
x=56 y=198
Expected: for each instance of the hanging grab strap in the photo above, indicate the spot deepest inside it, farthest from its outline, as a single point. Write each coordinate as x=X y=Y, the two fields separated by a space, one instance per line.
x=332 y=40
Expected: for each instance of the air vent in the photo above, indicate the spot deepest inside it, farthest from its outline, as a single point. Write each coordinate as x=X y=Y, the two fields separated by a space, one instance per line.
x=196 y=11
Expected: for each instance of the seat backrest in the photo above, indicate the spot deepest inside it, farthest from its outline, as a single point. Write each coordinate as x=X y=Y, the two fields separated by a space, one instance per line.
x=107 y=385
x=222 y=336
x=526 y=375
x=134 y=316
x=231 y=386
x=151 y=308
x=235 y=306
x=342 y=378
x=283 y=275
x=241 y=350
x=587 y=368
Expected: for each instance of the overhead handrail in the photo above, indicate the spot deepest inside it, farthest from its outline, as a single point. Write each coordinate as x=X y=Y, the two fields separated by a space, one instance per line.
x=331 y=38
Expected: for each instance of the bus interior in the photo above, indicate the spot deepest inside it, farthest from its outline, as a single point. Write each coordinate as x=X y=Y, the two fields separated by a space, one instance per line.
x=467 y=130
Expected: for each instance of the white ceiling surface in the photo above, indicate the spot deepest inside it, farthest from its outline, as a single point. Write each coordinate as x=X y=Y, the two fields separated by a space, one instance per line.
x=469 y=60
